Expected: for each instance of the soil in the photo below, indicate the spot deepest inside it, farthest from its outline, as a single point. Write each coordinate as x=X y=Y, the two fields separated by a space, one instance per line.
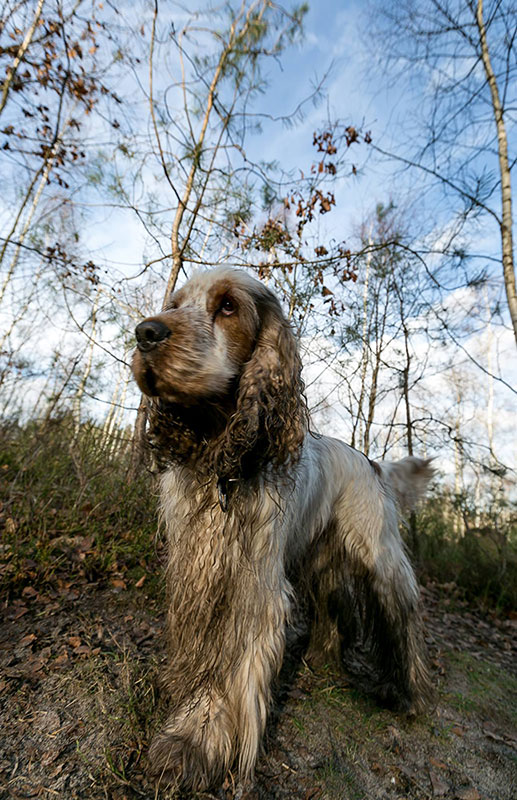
x=79 y=703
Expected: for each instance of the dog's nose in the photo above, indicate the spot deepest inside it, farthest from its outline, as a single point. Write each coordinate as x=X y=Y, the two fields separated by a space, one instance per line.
x=149 y=332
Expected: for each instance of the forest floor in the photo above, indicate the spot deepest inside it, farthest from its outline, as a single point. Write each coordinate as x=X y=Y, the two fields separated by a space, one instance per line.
x=79 y=703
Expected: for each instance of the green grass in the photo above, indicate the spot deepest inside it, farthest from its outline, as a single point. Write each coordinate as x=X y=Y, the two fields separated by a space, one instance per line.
x=485 y=688
x=339 y=780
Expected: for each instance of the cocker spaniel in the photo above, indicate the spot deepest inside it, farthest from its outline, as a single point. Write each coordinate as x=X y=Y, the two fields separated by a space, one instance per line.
x=261 y=512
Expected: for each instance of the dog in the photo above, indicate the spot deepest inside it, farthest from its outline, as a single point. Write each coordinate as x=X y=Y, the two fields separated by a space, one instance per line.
x=259 y=510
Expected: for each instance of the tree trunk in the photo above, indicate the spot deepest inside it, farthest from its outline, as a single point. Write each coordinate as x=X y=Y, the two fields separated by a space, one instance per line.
x=364 y=356
x=11 y=71
x=138 y=449
x=459 y=522
x=379 y=327
x=504 y=168
x=78 y=397
x=413 y=533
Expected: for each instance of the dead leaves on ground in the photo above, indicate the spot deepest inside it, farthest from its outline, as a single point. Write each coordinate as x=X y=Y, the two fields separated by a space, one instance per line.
x=41 y=635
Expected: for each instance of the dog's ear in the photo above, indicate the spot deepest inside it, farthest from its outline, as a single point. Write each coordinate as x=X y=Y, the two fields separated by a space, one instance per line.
x=270 y=421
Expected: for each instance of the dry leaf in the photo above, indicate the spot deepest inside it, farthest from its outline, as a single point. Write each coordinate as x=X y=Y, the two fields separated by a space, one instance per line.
x=436 y=763
x=468 y=794
x=440 y=788
x=27 y=640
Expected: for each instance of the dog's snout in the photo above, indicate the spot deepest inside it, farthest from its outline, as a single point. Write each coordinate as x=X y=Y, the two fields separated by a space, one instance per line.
x=149 y=333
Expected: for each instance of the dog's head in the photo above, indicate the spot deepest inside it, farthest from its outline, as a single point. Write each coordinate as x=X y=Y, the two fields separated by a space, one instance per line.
x=221 y=365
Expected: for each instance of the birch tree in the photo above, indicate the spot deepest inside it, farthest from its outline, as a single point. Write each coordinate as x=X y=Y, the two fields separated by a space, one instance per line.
x=460 y=59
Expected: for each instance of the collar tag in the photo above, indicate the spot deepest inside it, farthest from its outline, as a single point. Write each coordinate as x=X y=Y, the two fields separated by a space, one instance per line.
x=222 y=490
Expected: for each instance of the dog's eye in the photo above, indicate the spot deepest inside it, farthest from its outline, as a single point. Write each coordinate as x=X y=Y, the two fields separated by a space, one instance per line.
x=227 y=306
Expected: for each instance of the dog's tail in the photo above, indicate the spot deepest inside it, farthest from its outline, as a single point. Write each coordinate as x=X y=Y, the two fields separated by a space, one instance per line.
x=408 y=479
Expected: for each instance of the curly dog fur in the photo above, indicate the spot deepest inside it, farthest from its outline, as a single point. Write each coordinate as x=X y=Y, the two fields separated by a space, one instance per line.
x=249 y=499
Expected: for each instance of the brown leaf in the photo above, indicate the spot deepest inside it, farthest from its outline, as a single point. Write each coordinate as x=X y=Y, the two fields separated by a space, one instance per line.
x=56 y=771
x=82 y=650
x=468 y=794
x=10 y=525
x=27 y=640
x=29 y=591
x=50 y=756
x=36 y=665
x=140 y=582
x=85 y=543
x=74 y=641
x=118 y=583
x=440 y=788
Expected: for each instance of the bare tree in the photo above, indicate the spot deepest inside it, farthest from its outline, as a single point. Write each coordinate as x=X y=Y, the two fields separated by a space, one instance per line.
x=461 y=60
x=200 y=146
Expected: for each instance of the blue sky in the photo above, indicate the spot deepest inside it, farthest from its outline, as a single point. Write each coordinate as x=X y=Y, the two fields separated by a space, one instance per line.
x=334 y=46
x=357 y=92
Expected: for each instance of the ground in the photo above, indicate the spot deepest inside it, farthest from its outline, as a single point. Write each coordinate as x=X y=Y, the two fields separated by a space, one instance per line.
x=79 y=702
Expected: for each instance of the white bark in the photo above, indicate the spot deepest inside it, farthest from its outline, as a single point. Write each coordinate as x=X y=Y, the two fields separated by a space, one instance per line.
x=504 y=169
x=11 y=72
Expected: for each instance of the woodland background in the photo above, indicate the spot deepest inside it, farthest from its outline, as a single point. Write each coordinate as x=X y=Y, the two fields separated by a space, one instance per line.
x=359 y=158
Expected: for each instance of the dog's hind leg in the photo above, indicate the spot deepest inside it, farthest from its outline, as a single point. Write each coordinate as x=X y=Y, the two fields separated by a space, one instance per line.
x=364 y=594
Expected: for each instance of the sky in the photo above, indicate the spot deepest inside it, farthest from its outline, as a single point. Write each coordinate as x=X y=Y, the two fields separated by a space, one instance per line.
x=336 y=44
x=333 y=46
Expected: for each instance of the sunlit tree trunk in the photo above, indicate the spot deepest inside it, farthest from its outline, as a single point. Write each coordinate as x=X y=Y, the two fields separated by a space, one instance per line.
x=459 y=526
x=79 y=392
x=11 y=71
x=379 y=328
x=358 y=421
x=504 y=169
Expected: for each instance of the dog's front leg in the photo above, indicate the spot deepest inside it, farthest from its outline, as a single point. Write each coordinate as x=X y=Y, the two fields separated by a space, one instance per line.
x=222 y=721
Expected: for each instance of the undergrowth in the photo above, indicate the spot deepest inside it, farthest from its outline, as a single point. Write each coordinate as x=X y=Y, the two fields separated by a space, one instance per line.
x=480 y=559
x=67 y=510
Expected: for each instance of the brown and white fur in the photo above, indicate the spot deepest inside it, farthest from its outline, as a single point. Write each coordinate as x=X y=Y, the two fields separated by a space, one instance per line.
x=257 y=510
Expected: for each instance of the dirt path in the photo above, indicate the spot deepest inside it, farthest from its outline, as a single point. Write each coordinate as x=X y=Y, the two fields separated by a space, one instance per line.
x=79 y=703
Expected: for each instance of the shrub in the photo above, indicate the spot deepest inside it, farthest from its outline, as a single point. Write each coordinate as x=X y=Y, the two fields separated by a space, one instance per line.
x=66 y=507
x=475 y=550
